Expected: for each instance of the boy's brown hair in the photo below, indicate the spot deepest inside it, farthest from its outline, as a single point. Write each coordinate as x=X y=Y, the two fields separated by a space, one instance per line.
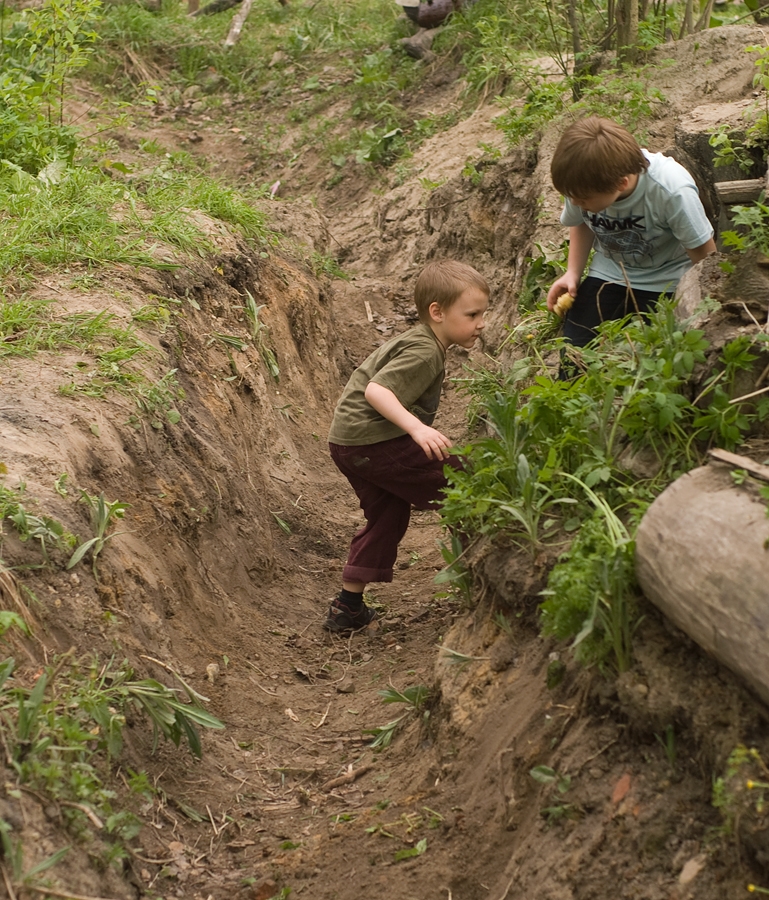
x=593 y=156
x=443 y=282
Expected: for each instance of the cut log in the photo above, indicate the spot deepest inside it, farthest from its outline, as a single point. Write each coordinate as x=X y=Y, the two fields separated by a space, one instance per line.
x=740 y=191
x=702 y=557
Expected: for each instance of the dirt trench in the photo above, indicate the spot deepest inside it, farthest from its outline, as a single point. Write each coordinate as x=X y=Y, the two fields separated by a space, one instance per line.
x=234 y=541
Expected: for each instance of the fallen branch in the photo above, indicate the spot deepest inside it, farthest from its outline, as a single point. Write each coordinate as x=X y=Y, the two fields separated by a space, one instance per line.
x=97 y=822
x=266 y=691
x=67 y=895
x=748 y=396
x=740 y=462
x=237 y=23
x=347 y=778
x=8 y=885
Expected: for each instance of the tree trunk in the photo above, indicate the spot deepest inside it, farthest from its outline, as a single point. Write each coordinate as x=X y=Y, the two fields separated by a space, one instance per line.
x=704 y=20
x=702 y=557
x=687 y=24
x=576 y=42
x=627 y=34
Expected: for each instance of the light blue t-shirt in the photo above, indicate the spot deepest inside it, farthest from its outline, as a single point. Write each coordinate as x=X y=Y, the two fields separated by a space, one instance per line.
x=647 y=231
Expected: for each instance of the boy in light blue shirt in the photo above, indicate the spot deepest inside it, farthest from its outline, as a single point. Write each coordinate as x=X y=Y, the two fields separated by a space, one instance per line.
x=642 y=213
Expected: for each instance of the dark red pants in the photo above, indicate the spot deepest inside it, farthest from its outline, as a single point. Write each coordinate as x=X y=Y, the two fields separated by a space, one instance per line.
x=389 y=478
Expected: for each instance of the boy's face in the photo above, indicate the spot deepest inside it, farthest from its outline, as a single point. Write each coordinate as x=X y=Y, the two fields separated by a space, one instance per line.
x=596 y=203
x=462 y=322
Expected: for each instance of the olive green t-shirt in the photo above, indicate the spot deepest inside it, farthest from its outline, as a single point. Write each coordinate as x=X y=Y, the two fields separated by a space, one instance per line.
x=410 y=365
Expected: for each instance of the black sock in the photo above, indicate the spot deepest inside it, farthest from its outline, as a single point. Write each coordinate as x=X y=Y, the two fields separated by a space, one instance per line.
x=351 y=599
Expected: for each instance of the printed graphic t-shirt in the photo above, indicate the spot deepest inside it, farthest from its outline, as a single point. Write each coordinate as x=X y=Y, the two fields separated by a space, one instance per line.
x=647 y=231
x=411 y=365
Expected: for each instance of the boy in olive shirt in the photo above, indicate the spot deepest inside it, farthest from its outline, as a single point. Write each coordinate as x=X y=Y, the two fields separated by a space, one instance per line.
x=381 y=437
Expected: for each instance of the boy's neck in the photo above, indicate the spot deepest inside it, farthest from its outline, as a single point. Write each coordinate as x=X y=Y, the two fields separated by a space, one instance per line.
x=632 y=184
x=437 y=334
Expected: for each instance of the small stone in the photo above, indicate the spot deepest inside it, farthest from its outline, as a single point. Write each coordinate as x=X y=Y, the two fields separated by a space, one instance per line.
x=692 y=869
x=347 y=686
x=502 y=656
x=266 y=888
x=212 y=672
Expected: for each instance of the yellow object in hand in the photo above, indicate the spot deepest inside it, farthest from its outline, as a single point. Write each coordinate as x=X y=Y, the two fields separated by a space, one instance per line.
x=563 y=303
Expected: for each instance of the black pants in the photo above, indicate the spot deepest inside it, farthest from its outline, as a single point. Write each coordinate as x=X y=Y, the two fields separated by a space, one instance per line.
x=600 y=301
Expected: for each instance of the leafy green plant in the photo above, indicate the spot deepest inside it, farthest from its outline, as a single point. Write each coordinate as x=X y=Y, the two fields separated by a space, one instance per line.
x=283 y=894
x=156 y=400
x=729 y=150
x=410 y=852
x=740 y=793
x=747 y=148
x=326 y=265
x=625 y=95
x=753 y=222
x=546 y=775
x=414 y=698
x=503 y=623
x=541 y=271
x=590 y=591
x=13 y=856
x=560 y=784
x=46 y=530
x=455 y=573
x=40 y=53
x=667 y=740
x=457 y=658
x=258 y=329
x=102 y=515
x=58 y=730
x=554 y=460
x=379 y=145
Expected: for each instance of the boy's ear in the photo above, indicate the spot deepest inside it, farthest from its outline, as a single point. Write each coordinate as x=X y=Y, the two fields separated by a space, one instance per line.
x=435 y=312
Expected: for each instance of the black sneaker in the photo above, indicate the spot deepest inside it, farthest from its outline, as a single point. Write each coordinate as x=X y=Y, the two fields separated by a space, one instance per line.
x=341 y=618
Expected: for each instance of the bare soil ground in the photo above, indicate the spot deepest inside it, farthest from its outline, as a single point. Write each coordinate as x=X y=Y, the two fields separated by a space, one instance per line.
x=206 y=581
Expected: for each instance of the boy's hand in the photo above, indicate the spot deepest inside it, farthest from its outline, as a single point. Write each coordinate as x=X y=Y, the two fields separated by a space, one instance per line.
x=566 y=284
x=435 y=444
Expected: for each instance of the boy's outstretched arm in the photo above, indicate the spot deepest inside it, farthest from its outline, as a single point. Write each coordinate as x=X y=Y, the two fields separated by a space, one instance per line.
x=384 y=401
x=697 y=254
x=580 y=244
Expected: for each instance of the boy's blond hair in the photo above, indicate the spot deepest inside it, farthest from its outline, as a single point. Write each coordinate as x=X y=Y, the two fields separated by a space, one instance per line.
x=443 y=282
x=593 y=156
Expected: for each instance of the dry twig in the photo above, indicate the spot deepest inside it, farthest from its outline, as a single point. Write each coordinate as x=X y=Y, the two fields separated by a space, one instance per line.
x=8 y=885
x=323 y=718
x=67 y=895
x=347 y=778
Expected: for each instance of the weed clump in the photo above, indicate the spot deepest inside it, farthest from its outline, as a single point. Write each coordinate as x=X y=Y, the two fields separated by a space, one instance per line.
x=554 y=460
